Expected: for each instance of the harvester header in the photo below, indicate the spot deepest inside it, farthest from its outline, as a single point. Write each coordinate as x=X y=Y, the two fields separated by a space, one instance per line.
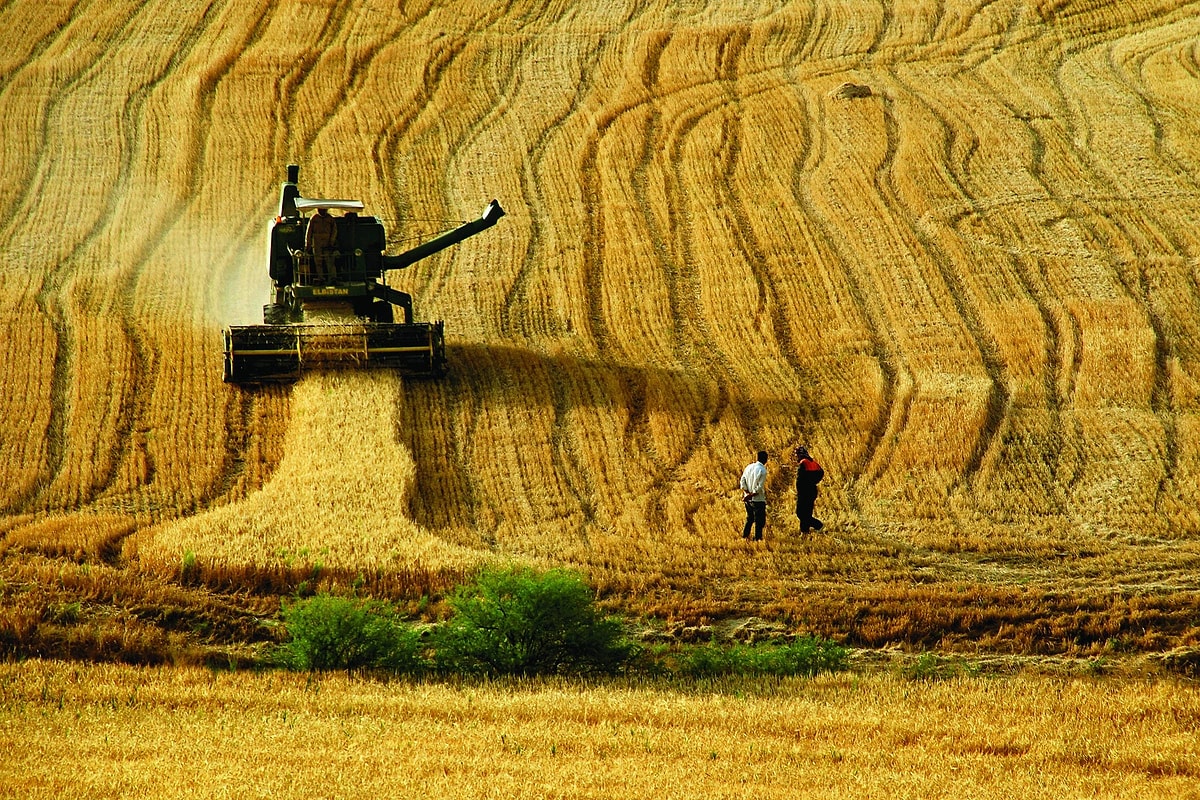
x=332 y=306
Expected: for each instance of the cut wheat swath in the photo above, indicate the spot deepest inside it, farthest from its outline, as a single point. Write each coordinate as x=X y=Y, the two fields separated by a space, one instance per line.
x=338 y=500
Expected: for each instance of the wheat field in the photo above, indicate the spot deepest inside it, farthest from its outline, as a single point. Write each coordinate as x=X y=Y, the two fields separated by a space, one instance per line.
x=950 y=246
x=99 y=731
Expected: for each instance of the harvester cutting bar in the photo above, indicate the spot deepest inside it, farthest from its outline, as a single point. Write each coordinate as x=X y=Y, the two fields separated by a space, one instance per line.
x=257 y=353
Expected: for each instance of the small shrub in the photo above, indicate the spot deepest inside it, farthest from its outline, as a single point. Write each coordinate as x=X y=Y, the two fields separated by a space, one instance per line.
x=329 y=632
x=189 y=570
x=929 y=667
x=516 y=621
x=806 y=655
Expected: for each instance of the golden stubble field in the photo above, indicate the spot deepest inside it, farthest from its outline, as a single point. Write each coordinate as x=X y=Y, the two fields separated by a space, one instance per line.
x=102 y=731
x=950 y=246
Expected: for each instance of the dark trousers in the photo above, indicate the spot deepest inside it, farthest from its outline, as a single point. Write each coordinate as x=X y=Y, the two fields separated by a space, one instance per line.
x=804 y=510
x=756 y=515
x=324 y=264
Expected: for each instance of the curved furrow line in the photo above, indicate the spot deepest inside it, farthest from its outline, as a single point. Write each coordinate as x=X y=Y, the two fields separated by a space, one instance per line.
x=694 y=345
x=896 y=381
x=666 y=472
x=642 y=182
x=291 y=83
x=50 y=297
x=24 y=47
x=20 y=176
x=705 y=345
x=506 y=85
x=1132 y=70
x=434 y=276
x=1064 y=335
x=1189 y=59
x=513 y=310
x=568 y=459
x=896 y=376
x=1139 y=283
x=387 y=143
x=359 y=67
x=1063 y=350
x=999 y=395
x=570 y=446
x=144 y=352
x=77 y=70
x=349 y=94
x=821 y=25
x=596 y=329
x=294 y=84
x=671 y=242
x=887 y=12
x=1101 y=227
x=591 y=249
x=754 y=253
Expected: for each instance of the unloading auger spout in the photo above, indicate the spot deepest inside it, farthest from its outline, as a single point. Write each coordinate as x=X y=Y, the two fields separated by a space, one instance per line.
x=332 y=306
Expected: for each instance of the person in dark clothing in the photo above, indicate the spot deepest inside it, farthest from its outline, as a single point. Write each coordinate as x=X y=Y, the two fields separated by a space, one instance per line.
x=808 y=475
x=320 y=238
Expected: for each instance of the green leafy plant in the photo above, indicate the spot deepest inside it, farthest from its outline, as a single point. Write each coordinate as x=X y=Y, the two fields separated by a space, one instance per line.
x=517 y=621
x=805 y=655
x=929 y=667
x=189 y=569
x=329 y=632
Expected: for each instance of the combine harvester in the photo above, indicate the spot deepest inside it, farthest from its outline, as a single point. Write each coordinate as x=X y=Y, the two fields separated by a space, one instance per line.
x=333 y=307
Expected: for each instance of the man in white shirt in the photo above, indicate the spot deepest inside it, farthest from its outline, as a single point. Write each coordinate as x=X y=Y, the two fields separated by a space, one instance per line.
x=754 y=494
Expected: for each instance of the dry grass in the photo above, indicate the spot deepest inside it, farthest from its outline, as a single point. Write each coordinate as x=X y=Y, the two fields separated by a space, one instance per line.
x=972 y=290
x=96 y=731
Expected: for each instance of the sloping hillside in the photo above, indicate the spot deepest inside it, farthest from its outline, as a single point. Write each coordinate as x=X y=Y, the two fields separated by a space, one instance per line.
x=952 y=247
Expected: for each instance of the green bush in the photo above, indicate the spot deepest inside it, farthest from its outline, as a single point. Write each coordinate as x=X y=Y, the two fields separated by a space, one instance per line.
x=930 y=667
x=329 y=632
x=516 y=621
x=806 y=655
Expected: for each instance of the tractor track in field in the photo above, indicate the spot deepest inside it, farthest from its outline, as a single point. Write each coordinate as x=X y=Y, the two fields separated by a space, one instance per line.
x=25 y=183
x=385 y=145
x=897 y=380
x=1087 y=214
x=50 y=297
x=999 y=396
x=290 y=86
x=689 y=338
x=1062 y=333
x=515 y=305
x=682 y=314
x=435 y=278
x=144 y=356
x=1160 y=313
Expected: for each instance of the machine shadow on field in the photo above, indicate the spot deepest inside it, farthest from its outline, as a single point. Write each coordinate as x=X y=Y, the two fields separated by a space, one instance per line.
x=505 y=405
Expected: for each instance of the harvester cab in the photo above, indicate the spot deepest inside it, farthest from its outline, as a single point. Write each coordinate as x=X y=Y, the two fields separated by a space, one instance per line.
x=332 y=306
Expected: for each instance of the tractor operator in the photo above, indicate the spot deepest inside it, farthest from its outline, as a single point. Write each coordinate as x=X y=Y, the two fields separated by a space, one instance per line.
x=319 y=239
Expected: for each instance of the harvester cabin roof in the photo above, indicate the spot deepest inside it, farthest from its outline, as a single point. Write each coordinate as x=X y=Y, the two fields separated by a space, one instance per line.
x=306 y=204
